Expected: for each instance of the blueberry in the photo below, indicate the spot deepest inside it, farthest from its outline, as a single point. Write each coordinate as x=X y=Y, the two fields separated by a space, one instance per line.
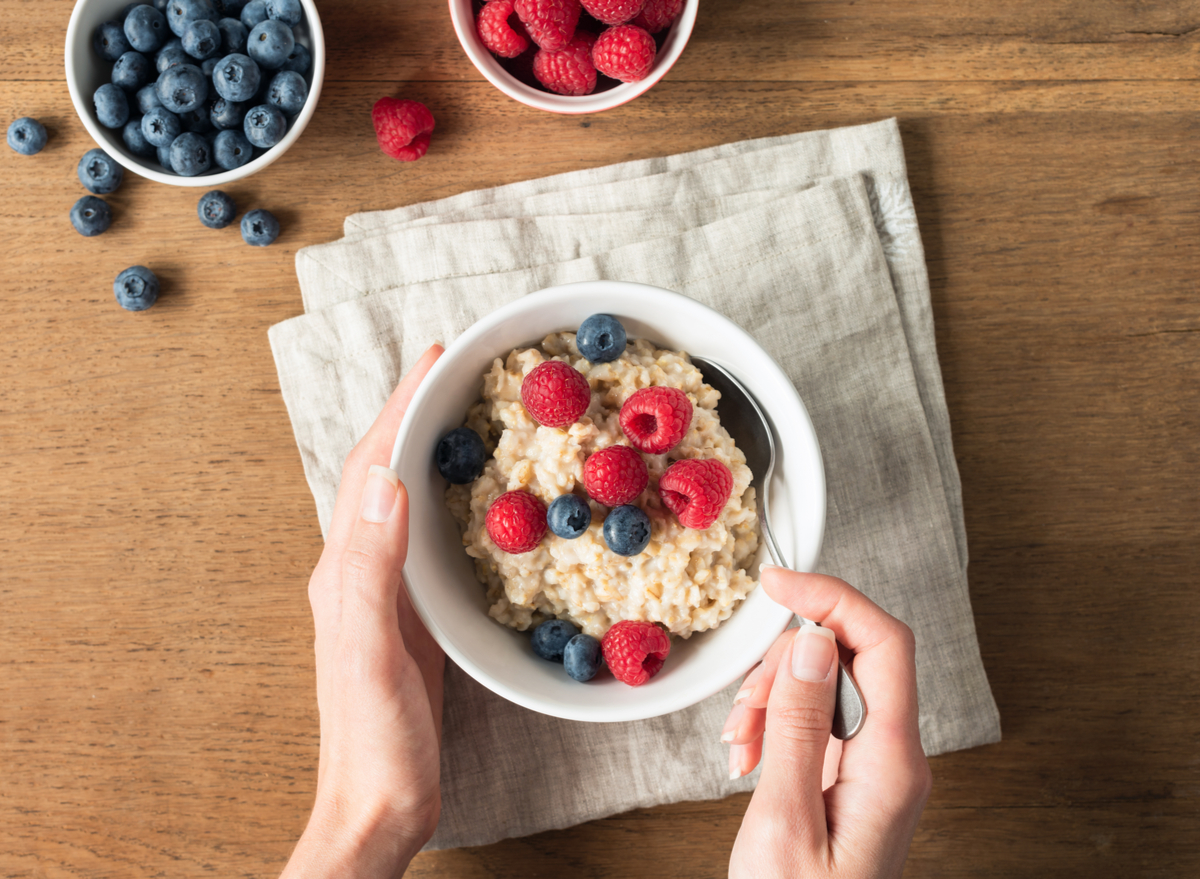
x=216 y=209
x=264 y=126
x=170 y=55
x=288 y=11
x=181 y=12
x=132 y=71
x=231 y=150
x=98 y=173
x=110 y=42
x=91 y=216
x=226 y=114
x=147 y=98
x=551 y=637
x=270 y=43
x=233 y=36
x=161 y=5
x=254 y=12
x=182 y=88
x=208 y=66
x=627 y=530
x=160 y=127
x=259 y=228
x=460 y=456
x=112 y=107
x=201 y=39
x=146 y=28
x=135 y=141
x=196 y=120
x=136 y=288
x=164 y=157
x=583 y=657
x=27 y=136
x=237 y=77
x=288 y=92
x=190 y=155
x=299 y=61
x=601 y=338
x=569 y=516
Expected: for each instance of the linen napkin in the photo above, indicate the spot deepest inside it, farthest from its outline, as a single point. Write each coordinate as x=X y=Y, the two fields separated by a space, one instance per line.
x=807 y=241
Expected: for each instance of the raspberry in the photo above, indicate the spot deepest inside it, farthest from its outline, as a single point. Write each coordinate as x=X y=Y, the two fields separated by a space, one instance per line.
x=555 y=393
x=403 y=128
x=635 y=651
x=658 y=14
x=656 y=419
x=613 y=11
x=615 y=475
x=551 y=23
x=625 y=52
x=495 y=31
x=568 y=71
x=516 y=521
x=696 y=491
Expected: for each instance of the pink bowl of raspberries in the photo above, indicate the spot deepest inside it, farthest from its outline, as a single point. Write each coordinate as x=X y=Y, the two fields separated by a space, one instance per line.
x=573 y=56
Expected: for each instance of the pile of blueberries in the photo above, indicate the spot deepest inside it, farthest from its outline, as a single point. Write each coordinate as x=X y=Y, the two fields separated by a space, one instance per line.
x=198 y=83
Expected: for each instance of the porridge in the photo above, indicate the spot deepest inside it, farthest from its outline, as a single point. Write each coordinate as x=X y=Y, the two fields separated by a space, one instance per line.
x=686 y=579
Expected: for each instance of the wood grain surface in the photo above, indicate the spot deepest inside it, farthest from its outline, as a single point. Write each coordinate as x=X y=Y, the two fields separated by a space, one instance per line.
x=157 y=713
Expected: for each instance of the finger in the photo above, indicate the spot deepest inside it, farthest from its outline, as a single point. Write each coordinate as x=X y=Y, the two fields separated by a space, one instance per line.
x=757 y=686
x=374 y=448
x=799 y=720
x=743 y=758
x=371 y=568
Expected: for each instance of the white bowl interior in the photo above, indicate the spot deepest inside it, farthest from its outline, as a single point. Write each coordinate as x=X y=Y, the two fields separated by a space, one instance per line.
x=86 y=71
x=441 y=578
x=463 y=15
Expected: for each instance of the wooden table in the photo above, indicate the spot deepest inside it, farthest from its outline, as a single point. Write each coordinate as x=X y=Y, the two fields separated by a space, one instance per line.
x=157 y=715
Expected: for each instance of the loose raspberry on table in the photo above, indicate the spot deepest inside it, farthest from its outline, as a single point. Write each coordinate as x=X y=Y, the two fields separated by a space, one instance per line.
x=555 y=393
x=656 y=419
x=696 y=491
x=613 y=11
x=516 y=521
x=615 y=475
x=658 y=14
x=551 y=23
x=635 y=651
x=495 y=31
x=625 y=52
x=402 y=127
x=568 y=71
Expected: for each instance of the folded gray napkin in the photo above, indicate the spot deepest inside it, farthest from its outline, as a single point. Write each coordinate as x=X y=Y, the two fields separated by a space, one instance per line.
x=810 y=243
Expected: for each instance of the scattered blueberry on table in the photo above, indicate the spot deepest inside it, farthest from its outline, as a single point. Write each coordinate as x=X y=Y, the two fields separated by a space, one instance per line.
x=98 y=173
x=569 y=516
x=91 y=216
x=27 y=136
x=136 y=288
x=583 y=657
x=259 y=228
x=216 y=209
x=551 y=637
x=460 y=456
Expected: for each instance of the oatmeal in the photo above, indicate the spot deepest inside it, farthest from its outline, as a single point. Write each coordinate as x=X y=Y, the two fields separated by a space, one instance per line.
x=686 y=579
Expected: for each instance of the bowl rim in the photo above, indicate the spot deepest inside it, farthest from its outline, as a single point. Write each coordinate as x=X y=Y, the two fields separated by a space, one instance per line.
x=777 y=617
x=486 y=63
x=75 y=31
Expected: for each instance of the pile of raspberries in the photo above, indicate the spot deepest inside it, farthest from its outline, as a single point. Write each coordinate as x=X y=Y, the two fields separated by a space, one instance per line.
x=568 y=54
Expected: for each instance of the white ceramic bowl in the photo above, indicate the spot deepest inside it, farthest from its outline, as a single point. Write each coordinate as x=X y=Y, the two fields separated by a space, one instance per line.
x=463 y=15
x=441 y=578
x=87 y=71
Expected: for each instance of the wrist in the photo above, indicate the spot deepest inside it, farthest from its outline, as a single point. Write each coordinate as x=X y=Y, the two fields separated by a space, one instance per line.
x=335 y=844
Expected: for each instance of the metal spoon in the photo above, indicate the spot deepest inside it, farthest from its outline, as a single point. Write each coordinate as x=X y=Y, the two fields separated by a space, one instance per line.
x=752 y=431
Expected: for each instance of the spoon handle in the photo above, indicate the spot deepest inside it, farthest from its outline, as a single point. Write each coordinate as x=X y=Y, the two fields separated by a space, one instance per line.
x=849 y=710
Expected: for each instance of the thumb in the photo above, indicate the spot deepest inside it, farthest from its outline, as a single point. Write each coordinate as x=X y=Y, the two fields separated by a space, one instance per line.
x=372 y=563
x=799 y=721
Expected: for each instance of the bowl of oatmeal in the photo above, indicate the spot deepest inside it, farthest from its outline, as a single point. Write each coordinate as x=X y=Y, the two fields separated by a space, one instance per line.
x=699 y=584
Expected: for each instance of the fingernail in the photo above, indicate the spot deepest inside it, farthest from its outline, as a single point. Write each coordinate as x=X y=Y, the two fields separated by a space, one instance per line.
x=812 y=653
x=749 y=684
x=379 y=494
x=763 y=568
x=731 y=725
x=735 y=763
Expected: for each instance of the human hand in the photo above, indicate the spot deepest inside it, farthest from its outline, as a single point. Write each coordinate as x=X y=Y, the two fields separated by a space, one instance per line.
x=862 y=825
x=379 y=675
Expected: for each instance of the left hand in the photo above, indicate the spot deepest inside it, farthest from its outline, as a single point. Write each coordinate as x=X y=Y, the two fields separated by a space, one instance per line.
x=379 y=675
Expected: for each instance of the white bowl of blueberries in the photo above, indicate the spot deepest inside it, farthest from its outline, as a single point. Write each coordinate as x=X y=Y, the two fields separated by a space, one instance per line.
x=192 y=92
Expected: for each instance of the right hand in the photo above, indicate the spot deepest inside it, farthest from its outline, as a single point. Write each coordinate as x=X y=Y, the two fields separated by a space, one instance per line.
x=863 y=824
